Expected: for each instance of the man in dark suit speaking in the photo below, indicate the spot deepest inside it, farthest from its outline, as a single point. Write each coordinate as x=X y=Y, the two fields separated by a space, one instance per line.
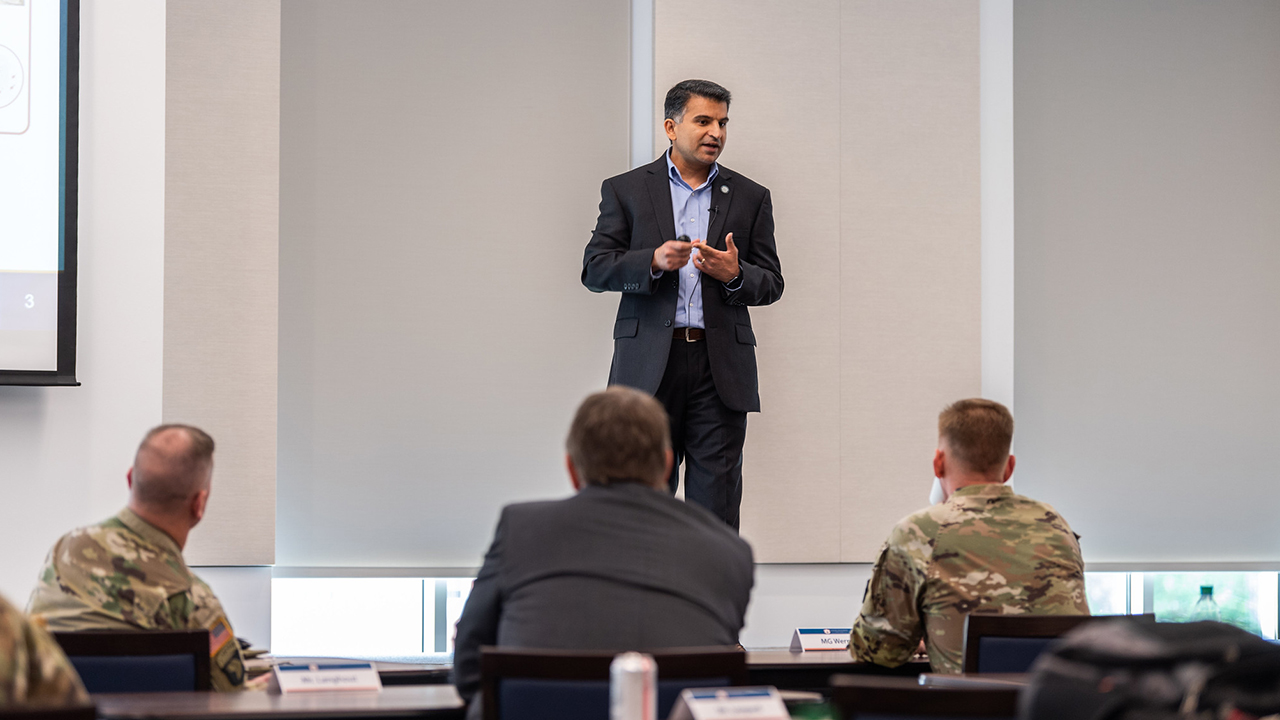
x=621 y=565
x=689 y=244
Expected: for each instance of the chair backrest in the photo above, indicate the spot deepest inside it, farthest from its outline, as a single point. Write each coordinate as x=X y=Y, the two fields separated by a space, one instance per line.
x=1011 y=643
x=139 y=660
x=574 y=685
x=870 y=697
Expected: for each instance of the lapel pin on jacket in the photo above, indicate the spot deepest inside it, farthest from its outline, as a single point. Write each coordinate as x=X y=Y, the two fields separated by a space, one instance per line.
x=724 y=189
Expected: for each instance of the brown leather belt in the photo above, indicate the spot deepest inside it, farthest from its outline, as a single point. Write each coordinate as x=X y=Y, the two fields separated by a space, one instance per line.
x=689 y=334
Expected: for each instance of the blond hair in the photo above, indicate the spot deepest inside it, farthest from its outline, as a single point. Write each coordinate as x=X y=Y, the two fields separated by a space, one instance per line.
x=978 y=433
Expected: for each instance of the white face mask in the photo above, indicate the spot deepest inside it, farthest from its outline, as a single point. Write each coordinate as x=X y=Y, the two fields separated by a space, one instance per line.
x=935 y=494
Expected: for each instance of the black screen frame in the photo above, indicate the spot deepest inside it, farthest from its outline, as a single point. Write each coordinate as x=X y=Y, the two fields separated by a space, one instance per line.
x=65 y=375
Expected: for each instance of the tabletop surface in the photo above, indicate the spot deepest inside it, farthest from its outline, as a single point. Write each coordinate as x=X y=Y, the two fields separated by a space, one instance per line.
x=770 y=656
x=382 y=666
x=783 y=656
x=403 y=701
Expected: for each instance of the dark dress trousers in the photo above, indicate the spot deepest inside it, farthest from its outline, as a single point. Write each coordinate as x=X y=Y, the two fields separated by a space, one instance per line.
x=635 y=218
x=619 y=567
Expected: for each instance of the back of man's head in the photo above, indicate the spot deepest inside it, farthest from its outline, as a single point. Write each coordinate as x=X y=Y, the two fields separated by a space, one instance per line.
x=174 y=462
x=620 y=435
x=977 y=434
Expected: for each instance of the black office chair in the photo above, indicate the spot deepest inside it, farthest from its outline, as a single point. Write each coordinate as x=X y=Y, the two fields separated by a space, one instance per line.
x=870 y=697
x=139 y=660
x=1011 y=643
x=574 y=685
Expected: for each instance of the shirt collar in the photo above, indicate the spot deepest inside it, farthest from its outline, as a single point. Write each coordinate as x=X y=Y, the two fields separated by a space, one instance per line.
x=674 y=174
x=983 y=490
x=149 y=532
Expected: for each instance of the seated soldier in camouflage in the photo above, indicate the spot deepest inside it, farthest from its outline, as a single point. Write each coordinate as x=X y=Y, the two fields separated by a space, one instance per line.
x=33 y=669
x=983 y=550
x=127 y=573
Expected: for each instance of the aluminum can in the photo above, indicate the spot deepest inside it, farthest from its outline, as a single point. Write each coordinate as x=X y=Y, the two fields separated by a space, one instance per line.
x=633 y=687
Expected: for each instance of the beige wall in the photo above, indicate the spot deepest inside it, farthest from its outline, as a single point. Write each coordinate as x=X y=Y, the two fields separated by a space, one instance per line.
x=435 y=336
x=1147 y=171
x=222 y=142
x=862 y=118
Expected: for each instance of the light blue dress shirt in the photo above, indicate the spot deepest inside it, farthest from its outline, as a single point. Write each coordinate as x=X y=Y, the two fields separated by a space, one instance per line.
x=692 y=210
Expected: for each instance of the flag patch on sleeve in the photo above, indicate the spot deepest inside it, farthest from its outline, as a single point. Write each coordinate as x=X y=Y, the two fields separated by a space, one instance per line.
x=219 y=634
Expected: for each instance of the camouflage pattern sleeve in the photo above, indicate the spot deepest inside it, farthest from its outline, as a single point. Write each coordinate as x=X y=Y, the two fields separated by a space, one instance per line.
x=1072 y=584
x=33 y=668
x=105 y=577
x=202 y=609
x=889 y=628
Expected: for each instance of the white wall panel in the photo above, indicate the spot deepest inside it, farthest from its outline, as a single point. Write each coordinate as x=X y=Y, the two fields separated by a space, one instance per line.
x=440 y=171
x=222 y=182
x=1147 y=171
x=782 y=62
x=862 y=118
x=910 y=326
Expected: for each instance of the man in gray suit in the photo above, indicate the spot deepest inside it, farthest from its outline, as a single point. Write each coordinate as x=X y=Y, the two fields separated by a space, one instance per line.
x=621 y=565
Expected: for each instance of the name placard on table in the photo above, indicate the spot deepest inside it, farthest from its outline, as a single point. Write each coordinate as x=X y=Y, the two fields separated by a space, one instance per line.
x=732 y=703
x=325 y=677
x=808 y=639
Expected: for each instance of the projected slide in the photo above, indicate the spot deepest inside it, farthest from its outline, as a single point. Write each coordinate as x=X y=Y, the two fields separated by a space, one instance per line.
x=30 y=183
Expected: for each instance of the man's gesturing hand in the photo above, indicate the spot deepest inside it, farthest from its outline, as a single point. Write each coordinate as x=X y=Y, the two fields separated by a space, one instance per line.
x=671 y=255
x=719 y=264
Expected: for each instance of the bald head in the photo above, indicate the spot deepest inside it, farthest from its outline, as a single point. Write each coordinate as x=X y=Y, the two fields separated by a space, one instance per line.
x=174 y=463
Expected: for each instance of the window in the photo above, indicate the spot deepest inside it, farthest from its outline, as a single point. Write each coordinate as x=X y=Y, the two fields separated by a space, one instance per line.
x=1244 y=599
x=1247 y=600
x=412 y=619
x=408 y=619
x=1108 y=594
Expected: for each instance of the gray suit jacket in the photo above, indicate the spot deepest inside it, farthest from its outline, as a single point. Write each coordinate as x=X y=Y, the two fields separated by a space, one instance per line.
x=622 y=567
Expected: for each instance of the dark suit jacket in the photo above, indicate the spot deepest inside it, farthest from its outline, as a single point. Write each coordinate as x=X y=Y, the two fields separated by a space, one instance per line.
x=622 y=567
x=635 y=218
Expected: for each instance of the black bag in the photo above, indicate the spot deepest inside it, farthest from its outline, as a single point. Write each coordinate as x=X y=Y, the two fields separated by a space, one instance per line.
x=1134 y=669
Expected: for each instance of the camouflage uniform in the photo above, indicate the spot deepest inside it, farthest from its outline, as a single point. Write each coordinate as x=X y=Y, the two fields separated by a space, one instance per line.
x=985 y=550
x=33 y=669
x=127 y=574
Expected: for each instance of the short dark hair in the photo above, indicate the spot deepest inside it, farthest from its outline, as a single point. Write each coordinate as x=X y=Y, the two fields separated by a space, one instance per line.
x=619 y=435
x=978 y=432
x=678 y=96
x=166 y=474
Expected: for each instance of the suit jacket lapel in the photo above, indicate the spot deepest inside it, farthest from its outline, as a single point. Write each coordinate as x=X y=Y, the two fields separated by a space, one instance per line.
x=660 y=193
x=720 y=200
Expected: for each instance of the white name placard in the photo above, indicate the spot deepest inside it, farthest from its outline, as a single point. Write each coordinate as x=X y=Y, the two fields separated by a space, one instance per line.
x=807 y=639
x=323 y=677
x=732 y=703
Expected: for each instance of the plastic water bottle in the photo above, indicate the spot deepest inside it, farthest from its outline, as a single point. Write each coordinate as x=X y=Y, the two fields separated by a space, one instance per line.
x=1205 y=608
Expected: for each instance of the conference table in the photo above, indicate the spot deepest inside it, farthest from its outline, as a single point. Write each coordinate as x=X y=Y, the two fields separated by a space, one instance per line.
x=391 y=673
x=812 y=671
x=781 y=668
x=392 y=703
x=412 y=690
